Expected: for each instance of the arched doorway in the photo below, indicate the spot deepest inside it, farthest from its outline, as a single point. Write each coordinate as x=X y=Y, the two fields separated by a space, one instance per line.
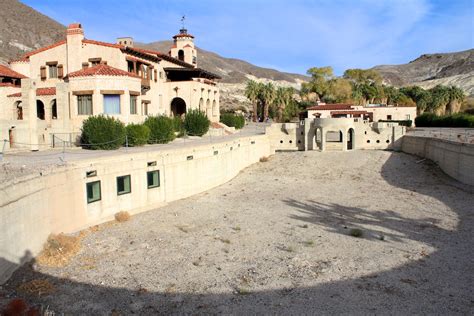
x=350 y=139
x=18 y=110
x=54 y=110
x=181 y=55
x=178 y=107
x=40 y=109
x=319 y=139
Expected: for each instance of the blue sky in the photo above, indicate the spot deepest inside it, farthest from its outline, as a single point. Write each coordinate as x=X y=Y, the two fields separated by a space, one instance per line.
x=291 y=35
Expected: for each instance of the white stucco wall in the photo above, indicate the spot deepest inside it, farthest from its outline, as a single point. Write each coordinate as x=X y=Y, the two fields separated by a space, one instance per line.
x=33 y=207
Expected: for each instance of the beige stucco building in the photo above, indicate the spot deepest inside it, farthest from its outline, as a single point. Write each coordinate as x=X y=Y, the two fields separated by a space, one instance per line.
x=371 y=112
x=48 y=93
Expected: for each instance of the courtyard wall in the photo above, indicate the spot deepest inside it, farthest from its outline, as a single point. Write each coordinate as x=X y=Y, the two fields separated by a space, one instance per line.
x=35 y=206
x=455 y=158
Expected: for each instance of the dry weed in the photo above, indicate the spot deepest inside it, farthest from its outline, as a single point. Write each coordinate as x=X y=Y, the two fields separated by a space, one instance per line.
x=37 y=287
x=264 y=159
x=59 y=249
x=122 y=216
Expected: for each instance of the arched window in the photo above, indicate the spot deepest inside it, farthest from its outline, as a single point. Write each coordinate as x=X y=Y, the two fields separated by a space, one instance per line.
x=214 y=108
x=201 y=105
x=40 y=110
x=54 y=110
x=181 y=55
x=208 y=107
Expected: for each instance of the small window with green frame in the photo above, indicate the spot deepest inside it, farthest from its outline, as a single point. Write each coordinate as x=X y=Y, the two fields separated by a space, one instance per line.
x=153 y=179
x=123 y=185
x=93 y=191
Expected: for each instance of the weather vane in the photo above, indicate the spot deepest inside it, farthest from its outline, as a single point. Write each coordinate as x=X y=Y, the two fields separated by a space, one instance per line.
x=183 y=18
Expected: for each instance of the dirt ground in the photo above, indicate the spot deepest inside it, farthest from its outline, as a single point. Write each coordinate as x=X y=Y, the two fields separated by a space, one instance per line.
x=277 y=240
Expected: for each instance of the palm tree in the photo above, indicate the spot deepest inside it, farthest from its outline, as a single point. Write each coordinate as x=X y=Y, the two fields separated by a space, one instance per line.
x=283 y=97
x=252 y=93
x=268 y=97
x=456 y=97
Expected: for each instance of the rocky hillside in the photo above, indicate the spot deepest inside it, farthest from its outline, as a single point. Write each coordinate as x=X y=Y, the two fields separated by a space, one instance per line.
x=431 y=69
x=23 y=29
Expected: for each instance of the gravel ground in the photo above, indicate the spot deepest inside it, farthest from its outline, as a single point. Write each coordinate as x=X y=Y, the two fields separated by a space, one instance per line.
x=277 y=240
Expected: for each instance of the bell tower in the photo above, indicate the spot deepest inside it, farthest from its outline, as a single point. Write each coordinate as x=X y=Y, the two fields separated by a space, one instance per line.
x=183 y=47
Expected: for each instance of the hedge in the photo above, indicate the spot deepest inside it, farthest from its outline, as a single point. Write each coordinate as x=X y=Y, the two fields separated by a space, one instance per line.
x=454 y=120
x=233 y=120
x=102 y=132
x=178 y=125
x=196 y=123
x=161 y=129
x=406 y=123
x=137 y=134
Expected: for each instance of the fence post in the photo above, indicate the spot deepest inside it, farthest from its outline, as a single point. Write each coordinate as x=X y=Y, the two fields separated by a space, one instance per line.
x=64 y=151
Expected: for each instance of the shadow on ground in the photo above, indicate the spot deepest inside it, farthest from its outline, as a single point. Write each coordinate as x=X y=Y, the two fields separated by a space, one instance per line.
x=402 y=290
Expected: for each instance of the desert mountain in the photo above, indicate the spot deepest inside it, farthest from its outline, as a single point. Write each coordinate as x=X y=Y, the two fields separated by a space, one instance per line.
x=431 y=69
x=23 y=29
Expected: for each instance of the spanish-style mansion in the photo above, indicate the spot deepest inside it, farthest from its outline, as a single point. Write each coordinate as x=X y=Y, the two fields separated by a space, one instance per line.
x=53 y=89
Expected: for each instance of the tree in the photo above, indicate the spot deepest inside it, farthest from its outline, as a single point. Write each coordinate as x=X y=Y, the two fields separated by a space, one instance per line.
x=319 y=80
x=268 y=94
x=363 y=76
x=339 y=90
x=456 y=98
x=283 y=97
x=252 y=93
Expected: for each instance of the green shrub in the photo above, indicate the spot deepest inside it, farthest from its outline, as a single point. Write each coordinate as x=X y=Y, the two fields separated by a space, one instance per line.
x=196 y=123
x=178 y=125
x=233 y=120
x=406 y=123
x=455 y=120
x=137 y=134
x=161 y=129
x=102 y=132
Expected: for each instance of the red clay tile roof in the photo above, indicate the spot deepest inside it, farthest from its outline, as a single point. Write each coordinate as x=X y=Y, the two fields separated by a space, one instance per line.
x=39 y=92
x=75 y=26
x=338 y=106
x=88 y=41
x=7 y=72
x=348 y=112
x=101 y=70
x=39 y=50
x=163 y=56
x=46 y=91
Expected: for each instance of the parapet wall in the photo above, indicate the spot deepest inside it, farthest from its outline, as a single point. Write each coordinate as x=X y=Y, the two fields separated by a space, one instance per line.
x=455 y=158
x=31 y=208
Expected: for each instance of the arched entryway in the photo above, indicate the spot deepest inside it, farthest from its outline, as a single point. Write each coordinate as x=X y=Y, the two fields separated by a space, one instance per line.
x=40 y=114
x=318 y=139
x=54 y=110
x=178 y=107
x=18 y=110
x=350 y=139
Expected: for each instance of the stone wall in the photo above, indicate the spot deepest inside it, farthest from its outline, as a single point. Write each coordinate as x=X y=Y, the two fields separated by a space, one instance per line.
x=454 y=158
x=31 y=208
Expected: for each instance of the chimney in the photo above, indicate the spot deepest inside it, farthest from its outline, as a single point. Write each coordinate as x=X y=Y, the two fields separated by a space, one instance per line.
x=74 y=37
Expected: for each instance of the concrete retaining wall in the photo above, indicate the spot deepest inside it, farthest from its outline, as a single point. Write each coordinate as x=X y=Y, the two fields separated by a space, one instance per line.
x=454 y=158
x=31 y=208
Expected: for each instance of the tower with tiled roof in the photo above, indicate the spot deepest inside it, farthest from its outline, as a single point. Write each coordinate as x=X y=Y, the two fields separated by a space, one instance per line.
x=183 y=47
